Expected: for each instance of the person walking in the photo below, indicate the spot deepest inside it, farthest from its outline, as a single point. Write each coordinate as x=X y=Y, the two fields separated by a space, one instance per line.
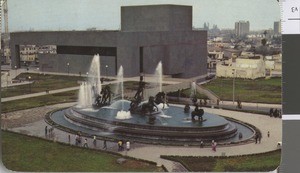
x=201 y=144
x=268 y=134
x=46 y=130
x=85 y=143
x=119 y=145
x=104 y=145
x=259 y=137
x=127 y=145
x=95 y=141
x=214 y=146
x=256 y=138
x=69 y=137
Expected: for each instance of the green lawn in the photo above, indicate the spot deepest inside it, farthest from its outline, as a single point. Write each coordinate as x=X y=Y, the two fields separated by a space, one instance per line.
x=251 y=163
x=259 y=90
x=41 y=84
x=32 y=102
x=24 y=153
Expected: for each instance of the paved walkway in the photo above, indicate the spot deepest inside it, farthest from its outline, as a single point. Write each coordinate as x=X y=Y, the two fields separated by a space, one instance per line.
x=35 y=125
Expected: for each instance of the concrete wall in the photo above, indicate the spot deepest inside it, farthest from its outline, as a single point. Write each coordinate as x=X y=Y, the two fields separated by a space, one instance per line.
x=77 y=63
x=156 y=18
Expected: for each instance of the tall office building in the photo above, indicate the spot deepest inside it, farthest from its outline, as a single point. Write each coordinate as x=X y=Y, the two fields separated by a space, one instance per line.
x=242 y=28
x=277 y=27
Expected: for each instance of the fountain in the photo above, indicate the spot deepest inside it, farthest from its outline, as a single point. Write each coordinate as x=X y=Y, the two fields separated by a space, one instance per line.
x=142 y=120
x=90 y=90
x=122 y=114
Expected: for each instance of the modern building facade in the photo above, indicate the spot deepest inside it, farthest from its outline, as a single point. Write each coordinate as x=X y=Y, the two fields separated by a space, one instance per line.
x=242 y=28
x=148 y=34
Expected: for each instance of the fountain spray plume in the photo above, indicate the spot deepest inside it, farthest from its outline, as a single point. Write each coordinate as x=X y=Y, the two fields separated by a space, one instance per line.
x=120 y=78
x=94 y=73
x=93 y=86
x=193 y=90
x=158 y=75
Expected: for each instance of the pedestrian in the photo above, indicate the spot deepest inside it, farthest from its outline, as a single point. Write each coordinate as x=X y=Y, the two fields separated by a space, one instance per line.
x=256 y=138
x=268 y=134
x=119 y=145
x=95 y=141
x=85 y=143
x=122 y=145
x=69 y=137
x=104 y=145
x=271 y=112
x=214 y=146
x=46 y=130
x=201 y=144
x=76 y=140
x=259 y=138
x=128 y=145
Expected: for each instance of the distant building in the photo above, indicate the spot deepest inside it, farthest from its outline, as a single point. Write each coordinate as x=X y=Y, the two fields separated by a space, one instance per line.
x=242 y=68
x=277 y=27
x=242 y=28
x=148 y=34
x=47 y=49
x=28 y=53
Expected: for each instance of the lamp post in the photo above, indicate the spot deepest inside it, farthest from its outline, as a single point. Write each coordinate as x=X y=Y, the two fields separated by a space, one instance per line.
x=233 y=84
x=15 y=71
x=29 y=77
x=68 y=64
x=7 y=80
x=106 y=66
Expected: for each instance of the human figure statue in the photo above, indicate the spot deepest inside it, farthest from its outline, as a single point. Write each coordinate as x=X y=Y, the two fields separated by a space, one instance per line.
x=138 y=97
x=187 y=108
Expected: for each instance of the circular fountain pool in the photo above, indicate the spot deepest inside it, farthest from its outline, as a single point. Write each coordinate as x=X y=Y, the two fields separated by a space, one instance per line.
x=172 y=125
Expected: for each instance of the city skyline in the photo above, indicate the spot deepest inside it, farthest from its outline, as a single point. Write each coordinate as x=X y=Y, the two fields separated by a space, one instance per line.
x=105 y=15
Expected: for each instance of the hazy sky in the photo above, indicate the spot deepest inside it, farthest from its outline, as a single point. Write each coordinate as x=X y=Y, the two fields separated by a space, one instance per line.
x=37 y=15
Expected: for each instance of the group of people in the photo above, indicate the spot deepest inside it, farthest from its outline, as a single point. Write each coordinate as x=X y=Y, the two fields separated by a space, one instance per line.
x=121 y=144
x=213 y=145
x=275 y=113
x=79 y=142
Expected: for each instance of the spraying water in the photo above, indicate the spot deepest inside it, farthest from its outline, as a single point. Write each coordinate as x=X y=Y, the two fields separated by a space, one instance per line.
x=193 y=90
x=120 y=88
x=158 y=75
x=120 y=78
x=92 y=87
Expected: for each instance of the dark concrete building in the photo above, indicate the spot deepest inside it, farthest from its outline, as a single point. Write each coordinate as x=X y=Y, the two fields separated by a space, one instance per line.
x=148 y=34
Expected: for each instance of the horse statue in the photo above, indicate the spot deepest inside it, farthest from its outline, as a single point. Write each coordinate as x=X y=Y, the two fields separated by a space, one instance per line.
x=197 y=112
x=150 y=106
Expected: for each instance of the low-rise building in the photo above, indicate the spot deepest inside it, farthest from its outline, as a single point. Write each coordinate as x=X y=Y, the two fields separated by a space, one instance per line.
x=242 y=68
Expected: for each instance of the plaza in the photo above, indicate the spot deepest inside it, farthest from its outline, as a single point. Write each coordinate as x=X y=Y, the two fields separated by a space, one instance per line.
x=31 y=122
